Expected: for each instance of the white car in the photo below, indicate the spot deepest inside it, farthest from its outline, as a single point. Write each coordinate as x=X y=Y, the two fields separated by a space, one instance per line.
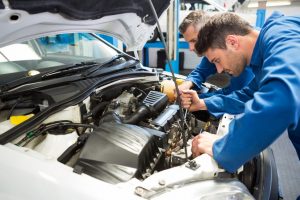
x=79 y=119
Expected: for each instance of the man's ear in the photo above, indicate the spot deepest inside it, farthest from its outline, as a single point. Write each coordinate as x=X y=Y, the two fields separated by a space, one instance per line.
x=232 y=41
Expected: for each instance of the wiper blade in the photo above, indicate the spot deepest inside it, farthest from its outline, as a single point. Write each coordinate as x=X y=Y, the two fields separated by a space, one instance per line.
x=30 y=79
x=71 y=69
x=89 y=67
x=97 y=67
x=18 y=82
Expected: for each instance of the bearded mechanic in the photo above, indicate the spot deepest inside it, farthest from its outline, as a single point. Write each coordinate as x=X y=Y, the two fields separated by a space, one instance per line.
x=271 y=101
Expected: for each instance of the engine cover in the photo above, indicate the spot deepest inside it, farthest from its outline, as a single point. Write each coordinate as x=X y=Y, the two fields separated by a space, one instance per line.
x=116 y=152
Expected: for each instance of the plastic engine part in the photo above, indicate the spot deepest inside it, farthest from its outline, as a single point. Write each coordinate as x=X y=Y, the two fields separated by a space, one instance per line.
x=116 y=152
x=165 y=119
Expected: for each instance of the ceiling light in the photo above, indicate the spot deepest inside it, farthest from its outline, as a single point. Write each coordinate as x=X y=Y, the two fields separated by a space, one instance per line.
x=270 y=4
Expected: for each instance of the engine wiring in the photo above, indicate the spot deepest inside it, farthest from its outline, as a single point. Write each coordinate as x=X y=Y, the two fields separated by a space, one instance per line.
x=44 y=128
x=173 y=78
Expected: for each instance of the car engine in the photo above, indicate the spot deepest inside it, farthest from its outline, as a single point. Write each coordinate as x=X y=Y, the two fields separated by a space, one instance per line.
x=115 y=134
x=119 y=132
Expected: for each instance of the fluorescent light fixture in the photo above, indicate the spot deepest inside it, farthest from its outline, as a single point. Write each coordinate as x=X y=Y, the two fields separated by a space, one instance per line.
x=216 y=4
x=270 y=4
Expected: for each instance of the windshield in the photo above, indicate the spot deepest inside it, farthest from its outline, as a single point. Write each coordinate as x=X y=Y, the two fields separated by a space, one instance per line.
x=53 y=51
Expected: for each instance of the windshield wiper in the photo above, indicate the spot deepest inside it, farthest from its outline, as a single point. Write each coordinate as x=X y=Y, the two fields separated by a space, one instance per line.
x=97 y=67
x=48 y=74
x=71 y=69
x=87 y=67
x=90 y=66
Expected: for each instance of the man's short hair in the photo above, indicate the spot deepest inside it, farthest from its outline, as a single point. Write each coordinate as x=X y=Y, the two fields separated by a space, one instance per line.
x=194 y=18
x=217 y=28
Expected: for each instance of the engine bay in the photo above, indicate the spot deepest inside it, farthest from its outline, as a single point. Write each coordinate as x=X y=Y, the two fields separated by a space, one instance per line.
x=129 y=130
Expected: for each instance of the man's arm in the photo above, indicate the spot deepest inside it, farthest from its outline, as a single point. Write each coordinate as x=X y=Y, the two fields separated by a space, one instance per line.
x=233 y=103
x=236 y=83
x=217 y=105
x=199 y=75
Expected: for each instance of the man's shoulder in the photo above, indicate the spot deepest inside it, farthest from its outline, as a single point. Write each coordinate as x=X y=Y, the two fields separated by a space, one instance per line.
x=279 y=22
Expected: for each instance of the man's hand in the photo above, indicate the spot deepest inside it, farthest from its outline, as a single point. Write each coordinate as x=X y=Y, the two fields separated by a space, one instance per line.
x=203 y=143
x=186 y=85
x=191 y=101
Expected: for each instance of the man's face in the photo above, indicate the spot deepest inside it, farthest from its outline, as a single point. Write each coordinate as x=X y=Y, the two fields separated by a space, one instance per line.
x=227 y=60
x=190 y=36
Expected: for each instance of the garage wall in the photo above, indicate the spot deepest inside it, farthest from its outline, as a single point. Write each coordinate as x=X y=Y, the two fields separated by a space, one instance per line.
x=190 y=58
x=292 y=9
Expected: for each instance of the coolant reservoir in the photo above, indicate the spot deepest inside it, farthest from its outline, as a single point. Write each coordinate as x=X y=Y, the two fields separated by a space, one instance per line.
x=54 y=145
x=168 y=88
x=5 y=126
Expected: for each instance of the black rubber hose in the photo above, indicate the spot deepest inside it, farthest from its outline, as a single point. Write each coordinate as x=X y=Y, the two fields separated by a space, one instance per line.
x=96 y=111
x=140 y=115
x=13 y=107
x=69 y=152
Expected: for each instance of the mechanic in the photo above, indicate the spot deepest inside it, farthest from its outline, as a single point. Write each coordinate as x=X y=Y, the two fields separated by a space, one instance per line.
x=189 y=28
x=272 y=99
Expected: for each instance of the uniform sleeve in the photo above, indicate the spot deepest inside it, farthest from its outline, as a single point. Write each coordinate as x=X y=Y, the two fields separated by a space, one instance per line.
x=236 y=83
x=233 y=103
x=275 y=106
x=201 y=72
x=209 y=94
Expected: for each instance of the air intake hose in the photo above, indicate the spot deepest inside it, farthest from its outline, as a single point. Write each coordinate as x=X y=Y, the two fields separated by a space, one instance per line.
x=153 y=103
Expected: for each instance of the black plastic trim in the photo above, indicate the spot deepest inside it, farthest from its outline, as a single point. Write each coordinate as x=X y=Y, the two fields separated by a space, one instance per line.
x=40 y=117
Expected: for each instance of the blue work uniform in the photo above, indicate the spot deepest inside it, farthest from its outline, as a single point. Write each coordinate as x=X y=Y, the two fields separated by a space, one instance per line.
x=272 y=99
x=205 y=68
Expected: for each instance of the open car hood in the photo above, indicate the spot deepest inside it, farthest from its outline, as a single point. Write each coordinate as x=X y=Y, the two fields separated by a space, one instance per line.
x=131 y=21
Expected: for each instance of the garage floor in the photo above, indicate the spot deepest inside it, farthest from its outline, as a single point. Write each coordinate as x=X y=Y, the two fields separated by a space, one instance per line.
x=288 y=164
